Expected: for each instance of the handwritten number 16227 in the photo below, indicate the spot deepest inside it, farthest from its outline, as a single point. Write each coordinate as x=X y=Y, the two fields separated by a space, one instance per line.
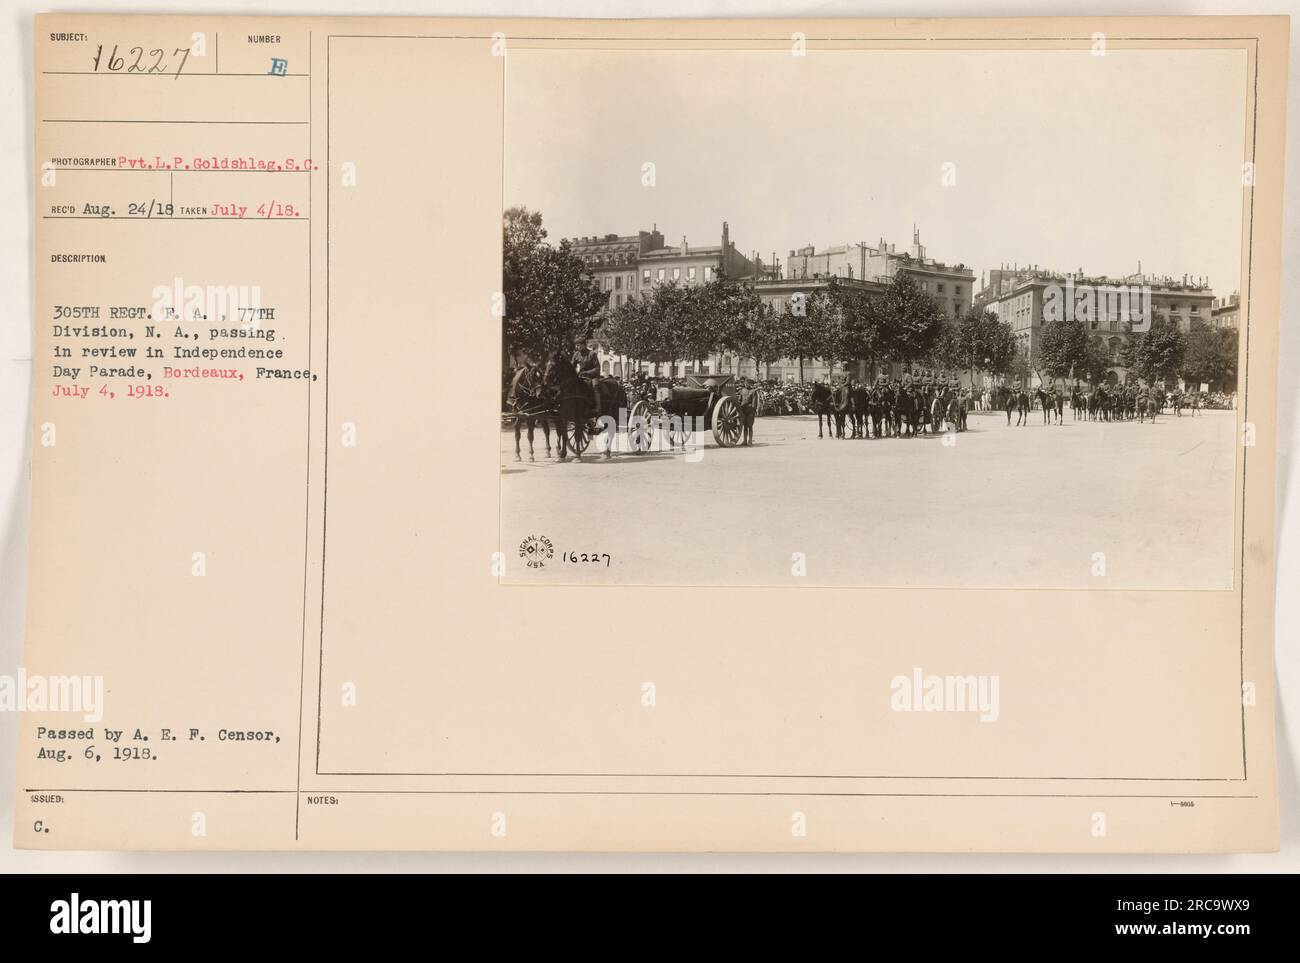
x=576 y=557
x=138 y=61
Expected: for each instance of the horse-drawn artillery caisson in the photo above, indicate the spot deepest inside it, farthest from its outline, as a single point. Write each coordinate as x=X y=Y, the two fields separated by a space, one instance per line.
x=705 y=402
x=579 y=410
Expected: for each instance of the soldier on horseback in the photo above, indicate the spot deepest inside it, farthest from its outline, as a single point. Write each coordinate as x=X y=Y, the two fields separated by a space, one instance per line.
x=587 y=364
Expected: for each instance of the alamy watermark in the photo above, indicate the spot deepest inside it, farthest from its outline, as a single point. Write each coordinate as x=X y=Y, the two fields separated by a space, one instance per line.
x=946 y=693
x=125 y=917
x=1102 y=303
x=655 y=432
x=53 y=693
x=238 y=304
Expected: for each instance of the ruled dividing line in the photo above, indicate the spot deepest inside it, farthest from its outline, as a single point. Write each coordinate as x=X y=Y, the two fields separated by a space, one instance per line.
x=74 y=120
x=169 y=217
x=178 y=170
x=644 y=792
x=141 y=73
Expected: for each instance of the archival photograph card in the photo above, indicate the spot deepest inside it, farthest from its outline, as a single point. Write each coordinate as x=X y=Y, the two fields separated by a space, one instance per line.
x=824 y=435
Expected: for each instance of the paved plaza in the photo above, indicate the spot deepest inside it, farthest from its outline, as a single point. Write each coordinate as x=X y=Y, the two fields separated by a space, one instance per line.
x=1006 y=507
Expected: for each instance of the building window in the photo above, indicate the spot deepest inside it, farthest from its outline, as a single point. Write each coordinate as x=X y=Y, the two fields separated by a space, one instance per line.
x=708 y=272
x=618 y=283
x=609 y=283
x=690 y=274
x=661 y=274
x=645 y=277
x=956 y=289
x=618 y=300
x=677 y=274
x=939 y=287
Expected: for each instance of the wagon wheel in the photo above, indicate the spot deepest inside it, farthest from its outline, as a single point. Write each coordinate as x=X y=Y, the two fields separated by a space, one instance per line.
x=726 y=422
x=677 y=428
x=676 y=436
x=640 y=433
x=578 y=435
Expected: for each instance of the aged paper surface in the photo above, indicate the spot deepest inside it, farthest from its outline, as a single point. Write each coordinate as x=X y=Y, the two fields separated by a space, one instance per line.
x=309 y=599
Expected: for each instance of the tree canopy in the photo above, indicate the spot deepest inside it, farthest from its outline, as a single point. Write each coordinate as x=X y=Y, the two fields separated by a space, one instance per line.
x=1211 y=358
x=980 y=341
x=1063 y=350
x=911 y=322
x=550 y=298
x=1156 y=354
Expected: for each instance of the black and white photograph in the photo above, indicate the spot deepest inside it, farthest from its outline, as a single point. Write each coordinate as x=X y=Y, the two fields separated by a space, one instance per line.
x=871 y=317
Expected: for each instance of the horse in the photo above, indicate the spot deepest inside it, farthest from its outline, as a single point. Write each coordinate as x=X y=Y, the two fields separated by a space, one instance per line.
x=859 y=405
x=839 y=407
x=1044 y=400
x=574 y=405
x=1156 y=404
x=1023 y=407
x=821 y=403
x=528 y=401
x=886 y=410
x=1007 y=399
x=878 y=408
x=1076 y=401
x=911 y=411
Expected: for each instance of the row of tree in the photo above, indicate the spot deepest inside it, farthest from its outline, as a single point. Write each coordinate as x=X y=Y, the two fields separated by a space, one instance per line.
x=836 y=323
x=550 y=301
x=1162 y=353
